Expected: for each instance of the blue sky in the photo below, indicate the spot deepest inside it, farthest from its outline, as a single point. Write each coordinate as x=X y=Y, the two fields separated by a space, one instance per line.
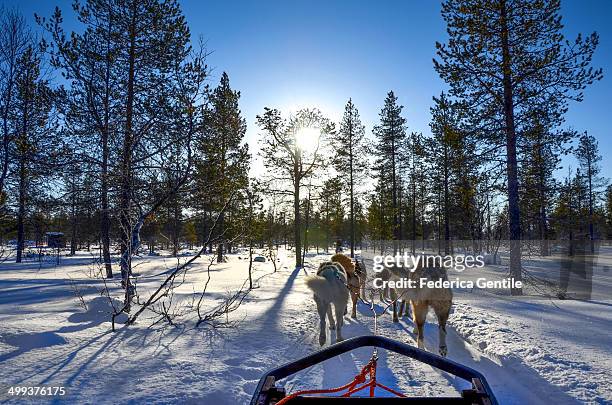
x=300 y=53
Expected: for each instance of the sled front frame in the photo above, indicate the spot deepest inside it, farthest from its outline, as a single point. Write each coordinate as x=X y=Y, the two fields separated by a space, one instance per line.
x=480 y=393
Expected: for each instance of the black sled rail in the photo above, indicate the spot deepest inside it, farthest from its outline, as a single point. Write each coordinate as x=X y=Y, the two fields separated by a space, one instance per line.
x=480 y=392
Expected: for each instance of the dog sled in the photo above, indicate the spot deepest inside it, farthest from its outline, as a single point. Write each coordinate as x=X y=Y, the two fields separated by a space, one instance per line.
x=268 y=393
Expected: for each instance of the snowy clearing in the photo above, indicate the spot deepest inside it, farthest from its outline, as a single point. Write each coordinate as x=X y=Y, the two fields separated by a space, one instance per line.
x=530 y=350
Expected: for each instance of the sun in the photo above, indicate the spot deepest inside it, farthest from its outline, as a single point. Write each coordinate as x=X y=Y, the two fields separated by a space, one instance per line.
x=308 y=138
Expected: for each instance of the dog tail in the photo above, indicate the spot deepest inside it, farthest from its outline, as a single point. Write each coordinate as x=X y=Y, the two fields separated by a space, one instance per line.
x=320 y=286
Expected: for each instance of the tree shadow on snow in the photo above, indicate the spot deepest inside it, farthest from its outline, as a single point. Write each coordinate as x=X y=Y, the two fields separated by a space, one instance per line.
x=271 y=317
x=25 y=342
x=96 y=314
x=500 y=373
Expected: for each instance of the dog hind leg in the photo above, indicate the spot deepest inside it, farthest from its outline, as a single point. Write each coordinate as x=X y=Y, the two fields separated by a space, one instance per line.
x=330 y=317
x=322 y=310
x=339 y=320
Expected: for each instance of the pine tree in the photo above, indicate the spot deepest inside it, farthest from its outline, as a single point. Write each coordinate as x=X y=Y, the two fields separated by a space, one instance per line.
x=589 y=160
x=153 y=39
x=177 y=204
x=224 y=153
x=456 y=171
x=608 y=212
x=505 y=58
x=379 y=212
x=415 y=156
x=350 y=161
x=136 y=83
x=569 y=218
x=35 y=144
x=332 y=210
x=89 y=61
x=540 y=150
x=15 y=40
x=190 y=233
x=444 y=127
x=390 y=135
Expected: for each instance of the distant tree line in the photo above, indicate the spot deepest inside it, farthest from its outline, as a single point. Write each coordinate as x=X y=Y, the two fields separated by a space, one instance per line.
x=116 y=136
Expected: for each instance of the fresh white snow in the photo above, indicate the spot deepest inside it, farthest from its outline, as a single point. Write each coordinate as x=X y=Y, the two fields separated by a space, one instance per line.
x=531 y=350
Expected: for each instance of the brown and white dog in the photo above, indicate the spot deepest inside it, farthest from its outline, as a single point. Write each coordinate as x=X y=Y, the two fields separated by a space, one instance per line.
x=356 y=275
x=362 y=273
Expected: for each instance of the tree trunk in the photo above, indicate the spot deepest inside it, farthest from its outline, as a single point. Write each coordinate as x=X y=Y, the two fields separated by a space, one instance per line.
x=382 y=222
x=352 y=196
x=210 y=243
x=489 y=247
x=401 y=218
x=105 y=217
x=73 y=233
x=251 y=264
x=6 y=135
x=175 y=230
x=297 y=225
x=220 y=245
x=307 y=225
x=21 y=211
x=446 y=203
x=413 y=203
x=590 y=176
x=439 y=222
x=394 y=197
x=327 y=232
x=514 y=223
x=23 y=178
x=126 y=166
x=543 y=217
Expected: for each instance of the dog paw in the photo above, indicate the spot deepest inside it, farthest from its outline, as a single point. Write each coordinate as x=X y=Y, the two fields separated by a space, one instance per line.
x=321 y=340
x=354 y=316
x=339 y=339
x=395 y=319
x=443 y=351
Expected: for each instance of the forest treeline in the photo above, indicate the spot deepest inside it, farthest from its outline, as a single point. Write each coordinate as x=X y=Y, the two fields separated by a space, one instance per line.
x=117 y=136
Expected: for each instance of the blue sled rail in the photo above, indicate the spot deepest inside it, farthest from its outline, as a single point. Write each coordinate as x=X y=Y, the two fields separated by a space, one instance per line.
x=479 y=393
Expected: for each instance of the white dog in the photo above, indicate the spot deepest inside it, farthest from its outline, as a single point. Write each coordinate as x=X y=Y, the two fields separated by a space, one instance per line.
x=329 y=287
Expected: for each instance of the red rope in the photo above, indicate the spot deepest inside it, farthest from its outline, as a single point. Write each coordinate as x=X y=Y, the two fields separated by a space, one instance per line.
x=352 y=387
x=399 y=394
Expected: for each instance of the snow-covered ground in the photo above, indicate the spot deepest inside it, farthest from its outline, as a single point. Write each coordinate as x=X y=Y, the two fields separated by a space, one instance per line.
x=531 y=350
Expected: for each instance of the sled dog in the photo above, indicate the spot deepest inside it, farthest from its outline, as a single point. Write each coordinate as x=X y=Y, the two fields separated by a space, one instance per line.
x=330 y=287
x=361 y=271
x=356 y=276
x=421 y=299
